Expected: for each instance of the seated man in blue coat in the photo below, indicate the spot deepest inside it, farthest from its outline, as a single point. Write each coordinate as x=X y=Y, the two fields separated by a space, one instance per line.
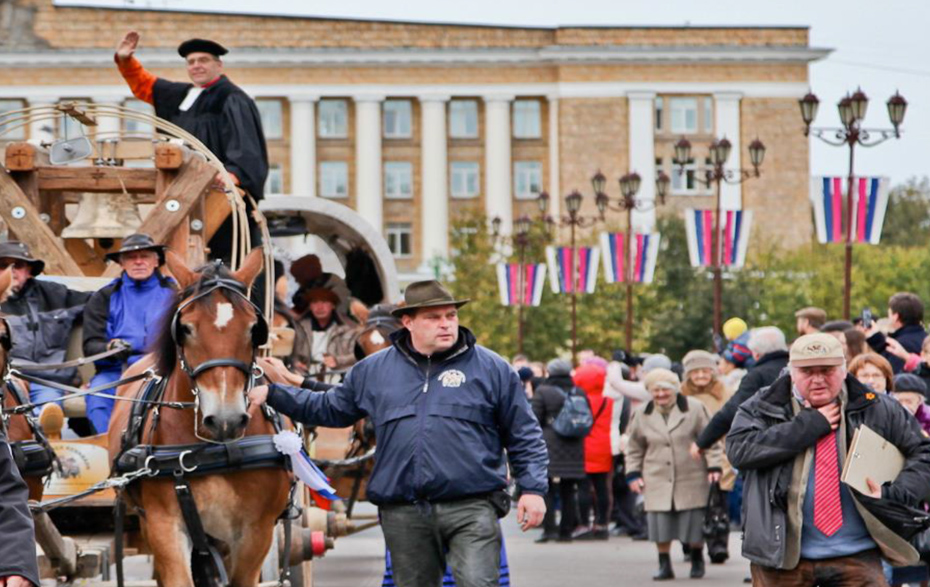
x=445 y=410
x=128 y=314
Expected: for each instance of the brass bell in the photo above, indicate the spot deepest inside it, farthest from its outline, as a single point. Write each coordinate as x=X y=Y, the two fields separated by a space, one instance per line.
x=104 y=216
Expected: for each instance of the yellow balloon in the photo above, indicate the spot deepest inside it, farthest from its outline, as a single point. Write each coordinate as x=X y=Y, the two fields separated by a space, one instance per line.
x=734 y=327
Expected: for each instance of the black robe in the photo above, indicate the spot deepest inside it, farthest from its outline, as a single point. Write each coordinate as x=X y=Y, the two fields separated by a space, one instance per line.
x=17 y=536
x=226 y=120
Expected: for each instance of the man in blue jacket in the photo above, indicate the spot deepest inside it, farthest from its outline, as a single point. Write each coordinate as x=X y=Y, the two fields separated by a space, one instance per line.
x=445 y=409
x=128 y=314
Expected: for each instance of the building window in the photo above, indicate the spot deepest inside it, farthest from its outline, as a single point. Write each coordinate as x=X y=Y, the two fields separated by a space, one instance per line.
x=333 y=119
x=684 y=114
x=271 y=113
x=683 y=178
x=526 y=119
x=709 y=115
x=660 y=109
x=68 y=127
x=397 y=117
x=19 y=132
x=275 y=182
x=463 y=119
x=398 y=180
x=334 y=179
x=527 y=179
x=138 y=127
x=465 y=179
x=399 y=236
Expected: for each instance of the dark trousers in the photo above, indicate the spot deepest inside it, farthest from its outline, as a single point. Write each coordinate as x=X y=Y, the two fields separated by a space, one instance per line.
x=423 y=538
x=564 y=492
x=624 y=511
x=599 y=483
x=859 y=570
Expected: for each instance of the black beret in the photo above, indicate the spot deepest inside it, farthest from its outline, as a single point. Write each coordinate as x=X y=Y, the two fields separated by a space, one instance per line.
x=905 y=382
x=201 y=46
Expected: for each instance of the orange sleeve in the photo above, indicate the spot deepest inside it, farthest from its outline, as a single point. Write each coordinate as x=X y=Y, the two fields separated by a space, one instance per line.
x=139 y=80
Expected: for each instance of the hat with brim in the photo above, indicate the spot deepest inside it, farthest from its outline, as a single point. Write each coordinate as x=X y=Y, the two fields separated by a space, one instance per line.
x=20 y=252
x=817 y=350
x=426 y=294
x=201 y=46
x=316 y=294
x=138 y=242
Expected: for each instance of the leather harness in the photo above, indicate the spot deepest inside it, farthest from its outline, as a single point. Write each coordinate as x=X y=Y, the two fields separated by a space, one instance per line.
x=35 y=457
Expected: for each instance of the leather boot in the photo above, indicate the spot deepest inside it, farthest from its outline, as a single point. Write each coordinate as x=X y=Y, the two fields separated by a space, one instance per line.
x=665 y=568
x=697 y=563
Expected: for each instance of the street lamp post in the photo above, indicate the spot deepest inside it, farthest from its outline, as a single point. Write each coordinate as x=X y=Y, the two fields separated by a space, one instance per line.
x=852 y=109
x=522 y=240
x=716 y=175
x=629 y=186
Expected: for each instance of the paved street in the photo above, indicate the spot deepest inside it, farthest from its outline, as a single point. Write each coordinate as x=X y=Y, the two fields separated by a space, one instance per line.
x=358 y=561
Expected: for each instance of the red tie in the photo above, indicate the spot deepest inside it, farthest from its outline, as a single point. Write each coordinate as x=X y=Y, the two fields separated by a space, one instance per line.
x=828 y=509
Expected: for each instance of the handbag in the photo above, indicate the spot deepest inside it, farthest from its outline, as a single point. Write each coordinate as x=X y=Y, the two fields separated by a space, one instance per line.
x=716 y=528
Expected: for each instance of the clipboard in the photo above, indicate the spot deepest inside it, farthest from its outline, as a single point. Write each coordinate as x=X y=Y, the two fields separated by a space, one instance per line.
x=870 y=455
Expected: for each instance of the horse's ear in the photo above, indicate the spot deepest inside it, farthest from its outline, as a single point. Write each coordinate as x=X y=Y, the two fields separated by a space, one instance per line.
x=178 y=267
x=358 y=309
x=6 y=279
x=251 y=267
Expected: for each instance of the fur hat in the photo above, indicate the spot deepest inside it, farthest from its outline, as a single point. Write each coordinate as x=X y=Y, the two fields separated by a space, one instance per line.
x=698 y=359
x=657 y=361
x=661 y=377
x=559 y=368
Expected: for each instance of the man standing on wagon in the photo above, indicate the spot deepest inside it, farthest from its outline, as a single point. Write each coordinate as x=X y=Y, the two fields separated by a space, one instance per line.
x=213 y=109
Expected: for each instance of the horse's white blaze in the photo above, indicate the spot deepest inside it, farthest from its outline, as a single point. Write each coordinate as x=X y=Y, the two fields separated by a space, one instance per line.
x=224 y=313
x=376 y=338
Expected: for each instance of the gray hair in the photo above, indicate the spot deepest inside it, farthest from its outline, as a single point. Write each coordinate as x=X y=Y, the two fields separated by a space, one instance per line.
x=767 y=339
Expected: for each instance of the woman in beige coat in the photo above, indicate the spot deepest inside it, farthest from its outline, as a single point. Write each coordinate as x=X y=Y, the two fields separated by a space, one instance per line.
x=659 y=465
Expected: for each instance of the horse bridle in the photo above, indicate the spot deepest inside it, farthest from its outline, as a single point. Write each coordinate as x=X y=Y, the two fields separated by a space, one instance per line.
x=259 y=337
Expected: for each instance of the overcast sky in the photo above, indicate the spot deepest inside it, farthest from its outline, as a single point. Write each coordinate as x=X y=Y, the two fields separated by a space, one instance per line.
x=882 y=46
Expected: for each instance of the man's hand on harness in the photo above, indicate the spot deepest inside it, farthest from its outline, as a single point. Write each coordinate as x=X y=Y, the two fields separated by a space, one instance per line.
x=124 y=347
x=531 y=509
x=258 y=394
x=277 y=372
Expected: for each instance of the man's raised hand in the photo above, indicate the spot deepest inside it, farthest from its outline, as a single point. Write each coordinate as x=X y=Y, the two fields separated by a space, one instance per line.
x=127 y=46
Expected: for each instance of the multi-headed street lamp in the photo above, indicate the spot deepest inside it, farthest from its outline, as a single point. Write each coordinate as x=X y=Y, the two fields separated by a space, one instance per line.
x=521 y=239
x=852 y=109
x=715 y=175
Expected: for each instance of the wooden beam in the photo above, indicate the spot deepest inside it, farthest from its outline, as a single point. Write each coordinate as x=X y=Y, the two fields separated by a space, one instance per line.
x=22 y=217
x=24 y=157
x=96 y=179
x=91 y=261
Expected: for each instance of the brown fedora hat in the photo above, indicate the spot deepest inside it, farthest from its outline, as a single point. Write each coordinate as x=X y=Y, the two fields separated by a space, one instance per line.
x=426 y=294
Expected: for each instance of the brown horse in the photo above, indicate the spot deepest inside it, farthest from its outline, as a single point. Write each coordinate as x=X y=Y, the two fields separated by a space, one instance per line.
x=18 y=428
x=237 y=509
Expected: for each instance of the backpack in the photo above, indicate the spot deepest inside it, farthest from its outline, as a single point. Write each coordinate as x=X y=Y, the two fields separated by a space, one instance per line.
x=575 y=418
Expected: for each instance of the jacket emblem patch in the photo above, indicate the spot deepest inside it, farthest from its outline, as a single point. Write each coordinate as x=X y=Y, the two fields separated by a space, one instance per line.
x=452 y=378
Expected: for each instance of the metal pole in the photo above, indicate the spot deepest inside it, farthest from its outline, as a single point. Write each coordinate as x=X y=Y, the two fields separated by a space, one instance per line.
x=718 y=280
x=521 y=244
x=574 y=284
x=629 y=280
x=847 y=269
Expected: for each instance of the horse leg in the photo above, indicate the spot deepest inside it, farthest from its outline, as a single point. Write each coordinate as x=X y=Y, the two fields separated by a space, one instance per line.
x=171 y=550
x=248 y=553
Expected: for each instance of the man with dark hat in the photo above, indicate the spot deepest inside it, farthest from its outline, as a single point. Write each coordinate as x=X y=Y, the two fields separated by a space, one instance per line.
x=127 y=313
x=214 y=110
x=445 y=411
x=41 y=315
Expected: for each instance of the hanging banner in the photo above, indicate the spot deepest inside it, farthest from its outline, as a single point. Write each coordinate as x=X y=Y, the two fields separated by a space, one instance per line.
x=562 y=266
x=508 y=281
x=870 y=201
x=642 y=257
x=734 y=226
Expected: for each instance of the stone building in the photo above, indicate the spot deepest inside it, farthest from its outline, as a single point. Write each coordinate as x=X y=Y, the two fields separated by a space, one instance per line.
x=412 y=123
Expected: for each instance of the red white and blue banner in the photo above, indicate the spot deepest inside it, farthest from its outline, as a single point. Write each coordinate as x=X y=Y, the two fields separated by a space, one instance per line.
x=644 y=251
x=562 y=266
x=870 y=201
x=508 y=281
x=734 y=226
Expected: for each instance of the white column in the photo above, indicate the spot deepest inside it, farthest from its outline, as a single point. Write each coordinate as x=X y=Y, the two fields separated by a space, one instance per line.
x=497 y=161
x=434 y=198
x=727 y=124
x=41 y=131
x=108 y=127
x=303 y=146
x=368 y=167
x=554 y=189
x=643 y=154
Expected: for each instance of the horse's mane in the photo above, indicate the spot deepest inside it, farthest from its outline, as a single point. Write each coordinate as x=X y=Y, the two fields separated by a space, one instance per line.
x=164 y=347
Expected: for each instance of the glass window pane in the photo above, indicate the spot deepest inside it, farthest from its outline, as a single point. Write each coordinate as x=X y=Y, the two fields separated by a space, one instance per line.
x=333 y=119
x=275 y=182
x=397 y=118
x=683 y=115
x=398 y=179
x=464 y=179
x=463 y=119
x=659 y=112
x=271 y=114
x=708 y=115
x=526 y=119
x=399 y=238
x=527 y=178
x=17 y=130
x=137 y=126
x=334 y=179
x=69 y=127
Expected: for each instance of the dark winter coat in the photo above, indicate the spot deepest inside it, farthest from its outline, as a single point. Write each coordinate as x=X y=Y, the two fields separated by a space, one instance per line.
x=769 y=443
x=911 y=338
x=566 y=455
x=41 y=316
x=764 y=373
x=443 y=423
x=17 y=536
